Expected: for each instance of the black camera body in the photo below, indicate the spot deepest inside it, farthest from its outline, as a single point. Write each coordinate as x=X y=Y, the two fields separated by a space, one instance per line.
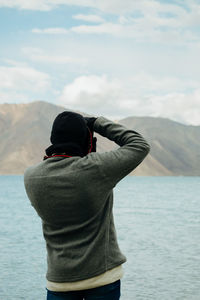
x=91 y=141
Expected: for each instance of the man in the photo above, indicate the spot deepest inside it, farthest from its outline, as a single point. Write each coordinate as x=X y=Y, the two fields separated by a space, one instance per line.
x=72 y=192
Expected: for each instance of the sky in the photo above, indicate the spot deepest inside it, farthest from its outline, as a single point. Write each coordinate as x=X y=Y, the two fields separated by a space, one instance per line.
x=112 y=58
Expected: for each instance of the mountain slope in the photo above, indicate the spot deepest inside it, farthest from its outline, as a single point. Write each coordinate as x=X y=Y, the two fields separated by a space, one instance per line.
x=174 y=146
x=25 y=131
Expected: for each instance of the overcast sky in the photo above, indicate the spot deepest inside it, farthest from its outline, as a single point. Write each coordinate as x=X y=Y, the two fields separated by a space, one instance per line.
x=115 y=58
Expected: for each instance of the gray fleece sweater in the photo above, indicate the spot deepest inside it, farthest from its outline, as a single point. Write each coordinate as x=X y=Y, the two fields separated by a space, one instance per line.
x=74 y=199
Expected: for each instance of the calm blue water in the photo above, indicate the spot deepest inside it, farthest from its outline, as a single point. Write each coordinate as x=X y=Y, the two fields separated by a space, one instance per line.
x=158 y=226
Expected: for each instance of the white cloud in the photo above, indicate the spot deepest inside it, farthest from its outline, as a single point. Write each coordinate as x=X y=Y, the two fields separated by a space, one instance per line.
x=17 y=81
x=150 y=9
x=146 y=84
x=136 y=96
x=151 y=25
x=142 y=30
x=39 y=55
x=89 y=18
x=112 y=6
x=23 y=78
x=53 y=30
x=118 y=7
x=15 y=63
x=90 y=91
x=42 y=5
x=156 y=21
x=184 y=108
x=13 y=97
x=108 y=28
x=51 y=4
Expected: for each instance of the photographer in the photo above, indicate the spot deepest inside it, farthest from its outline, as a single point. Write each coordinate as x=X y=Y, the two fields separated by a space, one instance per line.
x=72 y=192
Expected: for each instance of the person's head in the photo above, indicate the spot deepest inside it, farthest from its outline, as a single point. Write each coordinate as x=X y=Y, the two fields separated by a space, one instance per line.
x=69 y=134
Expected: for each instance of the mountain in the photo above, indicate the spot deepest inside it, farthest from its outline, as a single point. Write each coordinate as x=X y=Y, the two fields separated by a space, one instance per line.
x=174 y=146
x=25 y=131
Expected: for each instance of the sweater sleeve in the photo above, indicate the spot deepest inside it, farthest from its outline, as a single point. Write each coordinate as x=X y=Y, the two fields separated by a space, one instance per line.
x=116 y=164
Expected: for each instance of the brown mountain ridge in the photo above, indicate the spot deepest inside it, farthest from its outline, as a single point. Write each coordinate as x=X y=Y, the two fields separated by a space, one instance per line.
x=25 y=131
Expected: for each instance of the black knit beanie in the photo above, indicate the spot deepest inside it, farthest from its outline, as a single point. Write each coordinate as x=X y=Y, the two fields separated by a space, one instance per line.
x=68 y=126
x=69 y=134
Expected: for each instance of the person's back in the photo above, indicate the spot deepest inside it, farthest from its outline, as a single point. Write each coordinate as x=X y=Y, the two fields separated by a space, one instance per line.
x=74 y=198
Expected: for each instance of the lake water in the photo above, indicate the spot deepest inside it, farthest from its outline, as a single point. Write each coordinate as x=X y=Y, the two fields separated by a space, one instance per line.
x=158 y=226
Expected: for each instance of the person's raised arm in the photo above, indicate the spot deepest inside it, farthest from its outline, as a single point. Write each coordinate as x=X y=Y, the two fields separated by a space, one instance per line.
x=116 y=164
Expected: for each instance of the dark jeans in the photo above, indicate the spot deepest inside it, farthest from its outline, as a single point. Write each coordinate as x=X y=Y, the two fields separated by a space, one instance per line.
x=106 y=292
